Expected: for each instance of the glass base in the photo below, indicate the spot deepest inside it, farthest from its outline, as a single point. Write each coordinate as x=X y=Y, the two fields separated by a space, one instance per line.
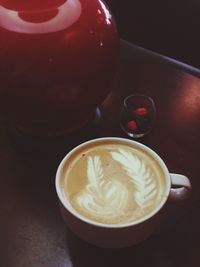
x=135 y=135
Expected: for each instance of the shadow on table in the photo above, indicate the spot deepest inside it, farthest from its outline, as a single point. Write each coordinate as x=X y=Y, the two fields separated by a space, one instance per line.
x=152 y=252
x=52 y=148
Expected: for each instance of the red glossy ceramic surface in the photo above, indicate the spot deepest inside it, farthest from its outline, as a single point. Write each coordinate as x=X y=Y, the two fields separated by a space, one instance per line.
x=57 y=60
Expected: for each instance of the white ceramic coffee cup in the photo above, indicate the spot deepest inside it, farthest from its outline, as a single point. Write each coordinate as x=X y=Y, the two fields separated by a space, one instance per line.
x=120 y=235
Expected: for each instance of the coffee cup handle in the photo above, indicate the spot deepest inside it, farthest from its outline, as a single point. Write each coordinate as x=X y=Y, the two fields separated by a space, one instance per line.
x=180 y=187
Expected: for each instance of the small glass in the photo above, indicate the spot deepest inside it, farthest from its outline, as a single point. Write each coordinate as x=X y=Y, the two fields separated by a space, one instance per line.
x=137 y=115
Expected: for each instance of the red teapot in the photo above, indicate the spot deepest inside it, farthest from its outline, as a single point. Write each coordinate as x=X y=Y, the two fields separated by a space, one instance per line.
x=58 y=59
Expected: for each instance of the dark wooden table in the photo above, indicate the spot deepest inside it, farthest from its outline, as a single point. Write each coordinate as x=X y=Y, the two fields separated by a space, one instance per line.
x=32 y=233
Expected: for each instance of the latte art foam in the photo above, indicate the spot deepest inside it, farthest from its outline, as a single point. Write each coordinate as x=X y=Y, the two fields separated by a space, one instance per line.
x=113 y=183
x=105 y=199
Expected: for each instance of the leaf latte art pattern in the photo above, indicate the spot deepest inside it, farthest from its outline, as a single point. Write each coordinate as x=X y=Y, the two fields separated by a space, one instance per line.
x=102 y=198
x=115 y=185
x=141 y=176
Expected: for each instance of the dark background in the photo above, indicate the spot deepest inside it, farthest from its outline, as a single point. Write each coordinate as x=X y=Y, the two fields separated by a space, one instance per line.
x=170 y=27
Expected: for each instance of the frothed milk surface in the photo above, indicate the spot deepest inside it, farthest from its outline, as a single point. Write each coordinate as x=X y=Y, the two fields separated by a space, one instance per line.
x=113 y=183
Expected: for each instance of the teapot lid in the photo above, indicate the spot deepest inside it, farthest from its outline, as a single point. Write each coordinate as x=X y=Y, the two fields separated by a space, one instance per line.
x=32 y=5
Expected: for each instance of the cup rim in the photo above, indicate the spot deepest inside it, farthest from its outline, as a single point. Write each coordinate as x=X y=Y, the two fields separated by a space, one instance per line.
x=71 y=210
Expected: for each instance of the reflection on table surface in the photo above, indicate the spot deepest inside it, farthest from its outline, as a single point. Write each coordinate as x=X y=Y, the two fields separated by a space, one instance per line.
x=32 y=230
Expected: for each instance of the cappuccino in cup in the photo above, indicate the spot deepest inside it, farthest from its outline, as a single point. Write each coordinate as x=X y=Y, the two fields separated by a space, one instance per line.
x=114 y=183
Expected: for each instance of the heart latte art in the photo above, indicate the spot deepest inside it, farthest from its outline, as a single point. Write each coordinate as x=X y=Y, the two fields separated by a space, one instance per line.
x=113 y=183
